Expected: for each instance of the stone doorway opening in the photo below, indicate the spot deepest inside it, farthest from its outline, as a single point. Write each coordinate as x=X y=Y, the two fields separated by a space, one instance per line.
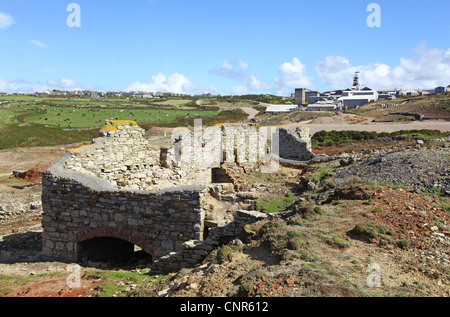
x=220 y=176
x=112 y=251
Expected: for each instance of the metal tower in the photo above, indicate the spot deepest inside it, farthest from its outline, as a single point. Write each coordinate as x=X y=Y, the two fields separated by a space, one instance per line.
x=356 y=85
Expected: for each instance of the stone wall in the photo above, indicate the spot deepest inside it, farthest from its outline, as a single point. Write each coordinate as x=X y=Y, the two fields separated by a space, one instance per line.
x=167 y=224
x=193 y=252
x=212 y=146
x=295 y=146
x=80 y=207
x=121 y=146
x=121 y=187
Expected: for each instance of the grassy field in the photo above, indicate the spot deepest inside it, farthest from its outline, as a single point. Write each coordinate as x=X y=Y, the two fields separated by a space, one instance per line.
x=72 y=117
x=27 y=121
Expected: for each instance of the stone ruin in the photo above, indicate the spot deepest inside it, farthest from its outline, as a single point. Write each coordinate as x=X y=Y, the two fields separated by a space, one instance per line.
x=120 y=195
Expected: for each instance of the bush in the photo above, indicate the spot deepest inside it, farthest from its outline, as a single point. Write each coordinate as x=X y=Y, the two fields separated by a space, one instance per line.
x=330 y=138
x=226 y=253
x=338 y=242
x=402 y=244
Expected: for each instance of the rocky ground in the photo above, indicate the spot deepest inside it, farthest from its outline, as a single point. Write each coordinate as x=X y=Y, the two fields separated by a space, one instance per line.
x=422 y=167
x=374 y=222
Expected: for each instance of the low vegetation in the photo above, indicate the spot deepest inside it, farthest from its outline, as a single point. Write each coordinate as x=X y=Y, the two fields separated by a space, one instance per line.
x=332 y=138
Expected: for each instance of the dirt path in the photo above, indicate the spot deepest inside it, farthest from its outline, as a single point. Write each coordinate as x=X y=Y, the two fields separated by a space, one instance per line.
x=316 y=126
x=251 y=112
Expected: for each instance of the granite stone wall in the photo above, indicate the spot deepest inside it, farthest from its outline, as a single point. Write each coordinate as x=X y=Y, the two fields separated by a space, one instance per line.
x=122 y=187
x=80 y=207
x=121 y=146
x=295 y=146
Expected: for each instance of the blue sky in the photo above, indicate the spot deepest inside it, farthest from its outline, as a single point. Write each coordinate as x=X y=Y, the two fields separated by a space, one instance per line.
x=225 y=47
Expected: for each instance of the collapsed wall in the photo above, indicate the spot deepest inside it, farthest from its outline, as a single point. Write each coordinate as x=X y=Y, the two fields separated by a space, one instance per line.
x=121 y=187
x=296 y=145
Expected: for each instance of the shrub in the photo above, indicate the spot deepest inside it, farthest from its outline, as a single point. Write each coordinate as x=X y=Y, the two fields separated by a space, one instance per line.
x=267 y=226
x=246 y=288
x=339 y=242
x=294 y=244
x=225 y=253
x=402 y=244
x=377 y=210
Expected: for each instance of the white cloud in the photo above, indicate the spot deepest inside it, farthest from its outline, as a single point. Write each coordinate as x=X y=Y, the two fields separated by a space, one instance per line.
x=238 y=71
x=176 y=83
x=256 y=83
x=24 y=86
x=239 y=90
x=5 y=20
x=211 y=90
x=232 y=70
x=38 y=43
x=65 y=84
x=427 y=68
x=4 y=86
x=21 y=86
x=243 y=65
x=292 y=75
x=336 y=72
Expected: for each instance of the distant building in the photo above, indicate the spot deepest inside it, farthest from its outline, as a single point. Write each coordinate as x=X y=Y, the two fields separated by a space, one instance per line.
x=439 y=89
x=447 y=89
x=300 y=96
x=3 y=94
x=303 y=94
x=410 y=92
x=357 y=98
x=388 y=93
x=328 y=105
x=274 y=109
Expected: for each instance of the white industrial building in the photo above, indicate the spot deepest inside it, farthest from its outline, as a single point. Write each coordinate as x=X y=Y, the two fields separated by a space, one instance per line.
x=357 y=98
x=336 y=100
x=274 y=109
x=328 y=105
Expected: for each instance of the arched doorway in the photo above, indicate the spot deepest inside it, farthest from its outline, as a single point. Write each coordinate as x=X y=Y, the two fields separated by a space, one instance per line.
x=112 y=246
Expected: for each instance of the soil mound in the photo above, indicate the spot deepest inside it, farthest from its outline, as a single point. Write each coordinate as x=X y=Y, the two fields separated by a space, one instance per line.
x=353 y=193
x=33 y=175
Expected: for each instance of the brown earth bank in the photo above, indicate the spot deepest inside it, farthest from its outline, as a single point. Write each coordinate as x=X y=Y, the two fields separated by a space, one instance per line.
x=344 y=235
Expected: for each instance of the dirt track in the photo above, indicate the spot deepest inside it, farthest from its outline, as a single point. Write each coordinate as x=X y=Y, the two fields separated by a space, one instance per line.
x=331 y=125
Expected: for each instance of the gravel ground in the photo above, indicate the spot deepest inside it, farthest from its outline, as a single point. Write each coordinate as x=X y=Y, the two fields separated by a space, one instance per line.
x=423 y=168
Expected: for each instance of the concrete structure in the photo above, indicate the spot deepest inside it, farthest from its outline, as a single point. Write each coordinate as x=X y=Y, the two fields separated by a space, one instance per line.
x=324 y=106
x=121 y=193
x=302 y=95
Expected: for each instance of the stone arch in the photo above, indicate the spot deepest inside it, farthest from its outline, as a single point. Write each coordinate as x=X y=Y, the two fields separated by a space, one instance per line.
x=115 y=233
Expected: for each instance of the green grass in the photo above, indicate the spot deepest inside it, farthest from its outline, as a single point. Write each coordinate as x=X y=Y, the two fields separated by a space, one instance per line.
x=25 y=124
x=9 y=282
x=7 y=117
x=22 y=98
x=72 y=117
x=324 y=138
x=332 y=138
x=119 y=283
x=321 y=173
x=32 y=135
x=172 y=102
x=274 y=205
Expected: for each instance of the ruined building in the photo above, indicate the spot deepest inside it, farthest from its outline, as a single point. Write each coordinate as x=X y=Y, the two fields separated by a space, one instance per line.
x=121 y=194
